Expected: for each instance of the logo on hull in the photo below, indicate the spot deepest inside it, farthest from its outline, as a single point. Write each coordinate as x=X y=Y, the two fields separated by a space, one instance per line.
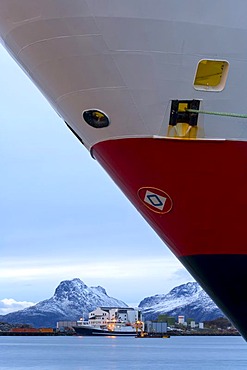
x=155 y=199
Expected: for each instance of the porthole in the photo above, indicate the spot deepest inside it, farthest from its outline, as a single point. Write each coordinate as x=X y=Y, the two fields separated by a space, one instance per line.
x=95 y=118
x=211 y=75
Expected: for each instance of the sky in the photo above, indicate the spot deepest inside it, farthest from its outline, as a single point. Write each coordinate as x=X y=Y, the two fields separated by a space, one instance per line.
x=62 y=217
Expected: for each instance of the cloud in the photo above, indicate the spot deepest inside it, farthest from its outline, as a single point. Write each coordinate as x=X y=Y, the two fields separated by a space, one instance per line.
x=120 y=268
x=8 y=305
x=128 y=278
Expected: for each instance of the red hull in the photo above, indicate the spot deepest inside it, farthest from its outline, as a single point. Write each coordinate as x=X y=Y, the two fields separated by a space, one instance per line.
x=206 y=185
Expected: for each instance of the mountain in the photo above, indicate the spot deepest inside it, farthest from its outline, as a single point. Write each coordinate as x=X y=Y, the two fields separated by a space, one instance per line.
x=71 y=300
x=189 y=300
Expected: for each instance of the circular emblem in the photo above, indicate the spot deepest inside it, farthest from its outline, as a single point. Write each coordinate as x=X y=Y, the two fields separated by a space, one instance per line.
x=155 y=199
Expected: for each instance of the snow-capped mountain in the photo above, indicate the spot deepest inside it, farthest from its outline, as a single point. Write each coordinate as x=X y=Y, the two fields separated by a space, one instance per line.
x=72 y=299
x=189 y=300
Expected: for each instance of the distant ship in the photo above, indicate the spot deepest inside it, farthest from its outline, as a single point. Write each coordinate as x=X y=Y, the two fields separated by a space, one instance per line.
x=118 y=330
x=111 y=321
x=157 y=92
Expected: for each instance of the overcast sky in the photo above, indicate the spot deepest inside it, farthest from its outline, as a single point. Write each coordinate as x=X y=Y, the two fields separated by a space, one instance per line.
x=61 y=215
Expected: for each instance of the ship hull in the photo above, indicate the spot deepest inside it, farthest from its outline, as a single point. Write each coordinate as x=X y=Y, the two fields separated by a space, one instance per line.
x=102 y=332
x=203 y=181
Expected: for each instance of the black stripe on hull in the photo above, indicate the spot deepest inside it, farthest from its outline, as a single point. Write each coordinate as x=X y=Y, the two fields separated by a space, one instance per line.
x=99 y=332
x=224 y=278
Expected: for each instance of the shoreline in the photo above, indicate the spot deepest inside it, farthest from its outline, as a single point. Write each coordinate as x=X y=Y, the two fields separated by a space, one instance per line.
x=171 y=334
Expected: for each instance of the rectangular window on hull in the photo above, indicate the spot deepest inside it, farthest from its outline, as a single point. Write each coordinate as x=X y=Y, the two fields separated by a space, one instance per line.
x=211 y=75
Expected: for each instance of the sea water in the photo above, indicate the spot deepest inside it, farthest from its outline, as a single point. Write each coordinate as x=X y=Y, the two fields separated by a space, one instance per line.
x=115 y=353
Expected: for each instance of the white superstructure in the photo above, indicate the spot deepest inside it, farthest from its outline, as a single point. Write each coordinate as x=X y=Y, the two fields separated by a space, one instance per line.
x=104 y=316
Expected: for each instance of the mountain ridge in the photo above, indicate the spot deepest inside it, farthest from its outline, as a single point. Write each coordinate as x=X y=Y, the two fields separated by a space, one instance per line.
x=189 y=300
x=73 y=299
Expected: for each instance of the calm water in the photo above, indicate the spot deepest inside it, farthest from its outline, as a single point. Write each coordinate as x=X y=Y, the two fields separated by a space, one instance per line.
x=83 y=353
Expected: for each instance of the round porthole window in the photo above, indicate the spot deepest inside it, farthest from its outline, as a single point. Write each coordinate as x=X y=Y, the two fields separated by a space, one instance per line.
x=95 y=118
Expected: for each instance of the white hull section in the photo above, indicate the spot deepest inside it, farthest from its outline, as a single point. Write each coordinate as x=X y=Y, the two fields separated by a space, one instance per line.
x=130 y=60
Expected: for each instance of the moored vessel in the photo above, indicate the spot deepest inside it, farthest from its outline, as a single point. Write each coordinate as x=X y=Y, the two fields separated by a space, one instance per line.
x=113 y=329
x=157 y=93
x=111 y=321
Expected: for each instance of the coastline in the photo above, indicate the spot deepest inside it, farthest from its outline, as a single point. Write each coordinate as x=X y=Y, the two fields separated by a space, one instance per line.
x=171 y=334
